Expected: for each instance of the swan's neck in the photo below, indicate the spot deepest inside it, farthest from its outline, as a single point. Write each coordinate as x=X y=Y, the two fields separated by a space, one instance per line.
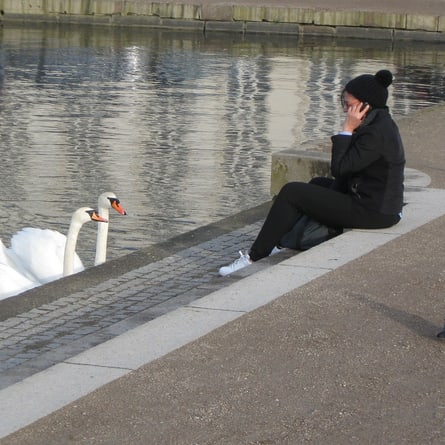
x=102 y=235
x=70 y=248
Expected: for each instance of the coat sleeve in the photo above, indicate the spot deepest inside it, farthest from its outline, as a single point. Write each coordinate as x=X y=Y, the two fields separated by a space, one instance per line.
x=351 y=154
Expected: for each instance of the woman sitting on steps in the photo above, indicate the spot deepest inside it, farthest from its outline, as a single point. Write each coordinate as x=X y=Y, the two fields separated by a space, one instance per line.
x=367 y=164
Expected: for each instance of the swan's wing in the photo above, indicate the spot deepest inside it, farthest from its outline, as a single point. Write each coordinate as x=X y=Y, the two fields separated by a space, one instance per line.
x=41 y=251
x=12 y=282
x=9 y=259
x=38 y=250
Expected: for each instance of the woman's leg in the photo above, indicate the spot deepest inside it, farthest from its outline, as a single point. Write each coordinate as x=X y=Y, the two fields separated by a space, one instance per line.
x=327 y=206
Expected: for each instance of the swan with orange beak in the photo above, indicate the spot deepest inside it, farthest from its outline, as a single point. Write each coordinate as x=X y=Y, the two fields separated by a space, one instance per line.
x=107 y=201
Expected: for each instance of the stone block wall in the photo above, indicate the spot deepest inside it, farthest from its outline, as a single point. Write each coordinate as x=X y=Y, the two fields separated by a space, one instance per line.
x=230 y=18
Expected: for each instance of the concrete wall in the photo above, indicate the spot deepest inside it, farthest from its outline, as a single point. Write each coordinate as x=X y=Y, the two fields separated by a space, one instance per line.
x=229 y=18
x=295 y=165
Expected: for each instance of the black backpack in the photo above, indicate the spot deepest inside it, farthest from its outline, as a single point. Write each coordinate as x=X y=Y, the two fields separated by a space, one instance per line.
x=307 y=233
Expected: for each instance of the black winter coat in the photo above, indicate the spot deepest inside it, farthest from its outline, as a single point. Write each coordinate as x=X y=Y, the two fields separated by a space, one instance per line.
x=370 y=163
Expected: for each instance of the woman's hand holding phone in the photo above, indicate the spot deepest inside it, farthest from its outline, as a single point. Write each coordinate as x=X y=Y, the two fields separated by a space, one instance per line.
x=355 y=115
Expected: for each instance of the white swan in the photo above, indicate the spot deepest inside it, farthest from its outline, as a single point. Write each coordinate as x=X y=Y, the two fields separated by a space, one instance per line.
x=77 y=221
x=49 y=255
x=107 y=201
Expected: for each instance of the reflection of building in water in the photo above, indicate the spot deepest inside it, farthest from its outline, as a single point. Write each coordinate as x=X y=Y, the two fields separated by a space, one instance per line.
x=245 y=114
x=324 y=86
x=225 y=139
x=287 y=101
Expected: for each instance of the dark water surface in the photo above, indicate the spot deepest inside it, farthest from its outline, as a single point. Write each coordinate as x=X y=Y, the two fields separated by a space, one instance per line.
x=180 y=126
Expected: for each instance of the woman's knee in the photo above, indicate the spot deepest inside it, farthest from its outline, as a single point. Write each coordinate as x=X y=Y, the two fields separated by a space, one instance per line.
x=322 y=181
x=291 y=188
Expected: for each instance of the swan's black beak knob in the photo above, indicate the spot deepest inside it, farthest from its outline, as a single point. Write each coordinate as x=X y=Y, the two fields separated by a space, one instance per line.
x=94 y=215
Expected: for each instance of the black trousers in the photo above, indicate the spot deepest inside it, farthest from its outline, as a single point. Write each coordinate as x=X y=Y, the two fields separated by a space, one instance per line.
x=322 y=203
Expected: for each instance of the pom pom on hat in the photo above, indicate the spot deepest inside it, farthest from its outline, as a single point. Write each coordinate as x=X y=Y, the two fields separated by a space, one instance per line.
x=384 y=77
x=371 y=89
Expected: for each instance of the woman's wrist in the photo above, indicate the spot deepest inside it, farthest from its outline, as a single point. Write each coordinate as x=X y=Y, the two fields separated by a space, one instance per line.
x=348 y=128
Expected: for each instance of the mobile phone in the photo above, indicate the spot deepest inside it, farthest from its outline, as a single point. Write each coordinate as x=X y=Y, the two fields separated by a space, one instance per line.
x=365 y=104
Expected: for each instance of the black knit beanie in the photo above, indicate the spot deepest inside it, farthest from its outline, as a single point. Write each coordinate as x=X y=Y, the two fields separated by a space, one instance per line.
x=371 y=89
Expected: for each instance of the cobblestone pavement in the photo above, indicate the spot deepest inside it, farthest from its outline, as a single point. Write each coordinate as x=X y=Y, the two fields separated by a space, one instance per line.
x=34 y=340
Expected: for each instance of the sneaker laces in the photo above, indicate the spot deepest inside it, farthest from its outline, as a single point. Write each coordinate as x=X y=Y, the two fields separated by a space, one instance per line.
x=241 y=262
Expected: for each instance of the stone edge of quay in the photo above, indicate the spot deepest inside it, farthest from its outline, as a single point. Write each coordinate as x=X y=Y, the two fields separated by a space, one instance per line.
x=241 y=19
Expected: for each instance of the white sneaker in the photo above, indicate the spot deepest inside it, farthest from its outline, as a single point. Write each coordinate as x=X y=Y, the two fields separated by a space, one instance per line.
x=276 y=250
x=243 y=261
